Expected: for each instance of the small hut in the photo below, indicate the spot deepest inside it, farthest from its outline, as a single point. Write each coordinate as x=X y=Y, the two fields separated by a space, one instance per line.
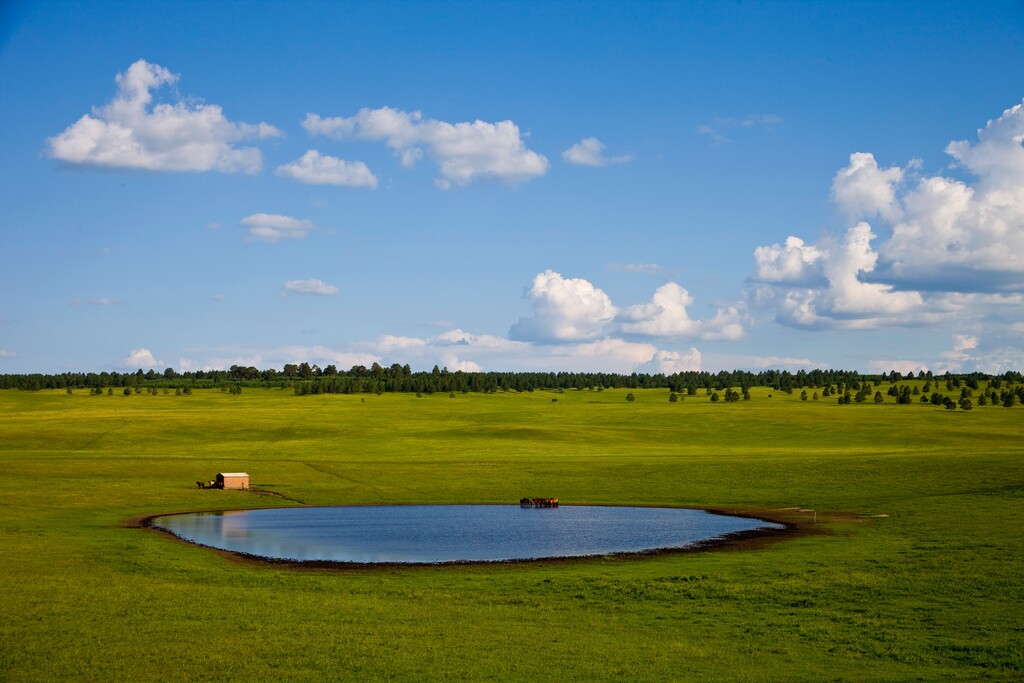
x=232 y=480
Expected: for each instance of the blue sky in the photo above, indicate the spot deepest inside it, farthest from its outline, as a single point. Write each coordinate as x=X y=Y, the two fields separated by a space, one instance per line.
x=623 y=187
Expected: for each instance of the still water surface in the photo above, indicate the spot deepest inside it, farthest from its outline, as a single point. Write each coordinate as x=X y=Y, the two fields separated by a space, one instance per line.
x=450 y=533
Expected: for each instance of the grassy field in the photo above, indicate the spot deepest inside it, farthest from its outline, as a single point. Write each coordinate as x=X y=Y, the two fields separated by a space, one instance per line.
x=918 y=574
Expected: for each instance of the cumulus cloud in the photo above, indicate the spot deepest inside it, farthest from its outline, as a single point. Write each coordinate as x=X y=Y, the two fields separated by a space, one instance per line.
x=271 y=227
x=794 y=263
x=845 y=300
x=458 y=337
x=665 y=315
x=948 y=246
x=454 y=364
x=590 y=152
x=619 y=351
x=954 y=235
x=671 y=362
x=564 y=309
x=130 y=132
x=964 y=342
x=848 y=293
x=463 y=152
x=4 y=353
x=573 y=309
x=314 y=168
x=998 y=156
x=313 y=287
x=141 y=358
x=389 y=342
x=863 y=190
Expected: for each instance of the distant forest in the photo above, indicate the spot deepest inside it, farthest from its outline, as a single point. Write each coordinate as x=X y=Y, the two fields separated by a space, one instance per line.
x=311 y=379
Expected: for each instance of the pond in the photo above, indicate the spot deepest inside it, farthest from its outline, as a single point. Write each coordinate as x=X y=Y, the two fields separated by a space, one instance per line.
x=428 y=534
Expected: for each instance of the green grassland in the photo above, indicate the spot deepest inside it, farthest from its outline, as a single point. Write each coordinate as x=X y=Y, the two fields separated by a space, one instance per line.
x=917 y=572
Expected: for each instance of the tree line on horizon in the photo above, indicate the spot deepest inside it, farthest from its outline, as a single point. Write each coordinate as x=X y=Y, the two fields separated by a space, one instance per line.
x=306 y=378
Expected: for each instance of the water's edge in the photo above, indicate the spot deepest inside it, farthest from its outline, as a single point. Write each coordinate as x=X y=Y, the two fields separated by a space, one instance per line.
x=786 y=526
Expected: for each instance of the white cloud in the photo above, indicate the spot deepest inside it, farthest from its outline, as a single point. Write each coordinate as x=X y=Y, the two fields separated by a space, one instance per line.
x=452 y=362
x=845 y=300
x=863 y=190
x=794 y=263
x=564 y=310
x=573 y=309
x=590 y=152
x=314 y=168
x=998 y=157
x=463 y=152
x=457 y=337
x=964 y=342
x=671 y=362
x=948 y=247
x=312 y=286
x=271 y=227
x=606 y=354
x=848 y=294
x=956 y=236
x=141 y=358
x=130 y=132
x=4 y=353
x=665 y=315
x=390 y=342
